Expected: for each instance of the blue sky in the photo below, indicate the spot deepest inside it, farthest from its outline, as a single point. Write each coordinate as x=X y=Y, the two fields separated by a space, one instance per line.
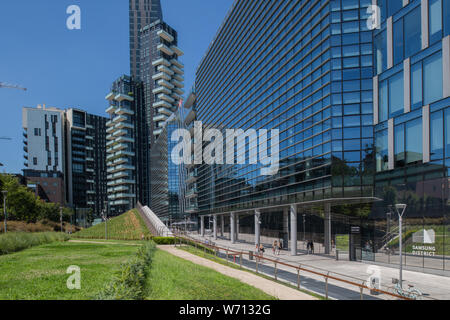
x=64 y=68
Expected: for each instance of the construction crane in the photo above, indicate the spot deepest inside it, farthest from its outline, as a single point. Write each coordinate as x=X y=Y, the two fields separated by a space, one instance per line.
x=11 y=86
x=5 y=138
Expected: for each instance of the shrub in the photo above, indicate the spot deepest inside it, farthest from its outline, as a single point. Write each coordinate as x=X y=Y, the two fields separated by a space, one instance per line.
x=164 y=240
x=17 y=241
x=130 y=282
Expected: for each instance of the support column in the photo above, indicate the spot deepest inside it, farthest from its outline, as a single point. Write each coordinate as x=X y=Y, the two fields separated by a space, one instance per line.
x=202 y=226
x=286 y=228
x=215 y=226
x=257 y=227
x=327 y=229
x=237 y=227
x=233 y=227
x=293 y=230
x=222 y=227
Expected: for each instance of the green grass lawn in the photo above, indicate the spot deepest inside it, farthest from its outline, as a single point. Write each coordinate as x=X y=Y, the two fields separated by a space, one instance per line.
x=172 y=278
x=128 y=226
x=39 y=273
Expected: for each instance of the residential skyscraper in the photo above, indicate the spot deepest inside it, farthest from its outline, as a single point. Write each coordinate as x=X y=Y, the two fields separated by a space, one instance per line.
x=142 y=13
x=65 y=152
x=44 y=150
x=85 y=161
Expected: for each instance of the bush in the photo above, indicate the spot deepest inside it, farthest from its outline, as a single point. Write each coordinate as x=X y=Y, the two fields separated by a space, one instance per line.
x=17 y=241
x=130 y=283
x=164 y=241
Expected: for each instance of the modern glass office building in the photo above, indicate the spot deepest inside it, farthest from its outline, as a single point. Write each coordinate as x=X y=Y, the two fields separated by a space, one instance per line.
x=412 y=129
x=167 y=178
x=305 y=68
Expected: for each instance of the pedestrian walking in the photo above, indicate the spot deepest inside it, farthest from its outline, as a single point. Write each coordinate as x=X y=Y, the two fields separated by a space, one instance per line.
x=275 y=247
x=312 y=247
x=279 y=248
x=261 y=250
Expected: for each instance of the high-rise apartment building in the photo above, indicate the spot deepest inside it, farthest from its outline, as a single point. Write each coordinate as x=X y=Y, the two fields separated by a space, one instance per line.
x=310 y=77
x=44 y=150
x=162 y=74
x=85 y=161
x=142 y=13
x=65 y=152
x=123 y=137
x=412 y=127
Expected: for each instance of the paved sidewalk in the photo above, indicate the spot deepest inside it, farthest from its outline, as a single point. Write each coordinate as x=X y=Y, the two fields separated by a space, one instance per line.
x=274 y=289
x=434 y=286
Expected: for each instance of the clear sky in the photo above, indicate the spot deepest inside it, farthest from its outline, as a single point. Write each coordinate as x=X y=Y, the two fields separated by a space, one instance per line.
x=75 y=68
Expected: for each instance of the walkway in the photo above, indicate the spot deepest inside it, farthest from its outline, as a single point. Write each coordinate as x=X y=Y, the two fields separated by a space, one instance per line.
x=272 y=288
x=434 y=286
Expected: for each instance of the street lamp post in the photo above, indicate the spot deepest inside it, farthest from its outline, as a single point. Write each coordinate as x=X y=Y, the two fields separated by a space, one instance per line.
x=5 y=192
x=106 y=219
x=61 y=217
x=401 y=208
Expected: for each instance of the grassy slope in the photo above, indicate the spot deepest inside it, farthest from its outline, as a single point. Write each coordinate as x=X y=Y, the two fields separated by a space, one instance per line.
x=40 y=273
x=128 y=226
x=172 y=278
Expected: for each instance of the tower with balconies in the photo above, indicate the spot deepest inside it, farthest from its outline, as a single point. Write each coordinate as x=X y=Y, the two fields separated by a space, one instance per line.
x=162 y=74
x=121 y=146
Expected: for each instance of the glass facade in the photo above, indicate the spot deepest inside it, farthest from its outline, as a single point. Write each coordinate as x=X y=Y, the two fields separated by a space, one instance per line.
x=411 y=138
x=311 y=78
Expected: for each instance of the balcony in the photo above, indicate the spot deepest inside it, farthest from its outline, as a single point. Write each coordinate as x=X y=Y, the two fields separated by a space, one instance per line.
x=161 y=76
x=109 y=137
x=90 y=159
x=109 y=124
x=110 y=96
x=120 y=189
x=122 y=97
x=157 y=132
x=166 y=84
x=177 y=70
x=161 y=90
x=125 y=195
x=119 y=133
x=119 y=182
x=165 y=35
x=177 y=63
x=125 y=140
x=161 y=117
x=161 y=61
x=122 y=111
x=165 y=111
x=124 y=125
x=166 y=98
x=111 y=109
x=166 y=70
x=177 y=50
x=120 y=119
x=191 y=209
x=123 y=153
x=162 y=104
x=177 y=83
x=179 y=91
x=179 y=77
x=120 y=146
x=176 y=96
x=110 y=130
x=163 y=48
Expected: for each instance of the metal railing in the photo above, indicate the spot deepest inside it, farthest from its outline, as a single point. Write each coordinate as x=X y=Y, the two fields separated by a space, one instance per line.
x=181 y=237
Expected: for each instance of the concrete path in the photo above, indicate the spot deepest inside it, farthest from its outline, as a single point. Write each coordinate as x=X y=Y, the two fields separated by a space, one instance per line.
x=274 y=289
x=434 y=286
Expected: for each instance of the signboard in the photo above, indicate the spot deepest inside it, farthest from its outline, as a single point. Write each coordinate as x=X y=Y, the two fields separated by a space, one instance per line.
x=423 y=243
x=355 y=230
